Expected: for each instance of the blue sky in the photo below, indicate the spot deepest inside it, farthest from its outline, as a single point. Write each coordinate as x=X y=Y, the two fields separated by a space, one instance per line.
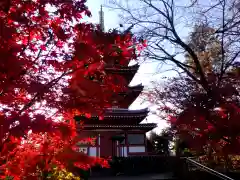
x=146 y=72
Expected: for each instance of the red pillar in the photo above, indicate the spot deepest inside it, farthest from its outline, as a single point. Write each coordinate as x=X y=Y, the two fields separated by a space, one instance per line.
x=106 y=144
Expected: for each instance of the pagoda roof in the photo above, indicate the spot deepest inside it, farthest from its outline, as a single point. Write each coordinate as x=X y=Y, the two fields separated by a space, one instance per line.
x=125 y=112
x=136 y=88
x=113 y=116
x=145 y=126
x=127 y=71
x=120 y=114
x=122 y=69
x=130 y=96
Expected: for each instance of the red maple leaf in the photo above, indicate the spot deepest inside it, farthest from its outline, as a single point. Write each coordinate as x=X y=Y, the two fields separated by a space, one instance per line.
x=41 y=82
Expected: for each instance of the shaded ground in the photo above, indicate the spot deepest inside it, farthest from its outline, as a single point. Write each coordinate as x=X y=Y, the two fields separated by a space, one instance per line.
x=166 y=176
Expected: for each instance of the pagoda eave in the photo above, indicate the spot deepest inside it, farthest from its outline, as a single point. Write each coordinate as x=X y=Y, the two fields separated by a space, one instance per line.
x=126 y=112
x=116 y=116
x=127 y=98
x=128 y=120
x=136 y=88
x=126 y=69
x=127 y=72
x=146 y=127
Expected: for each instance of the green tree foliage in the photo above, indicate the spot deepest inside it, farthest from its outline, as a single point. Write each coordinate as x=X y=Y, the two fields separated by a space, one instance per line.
x=160 y=142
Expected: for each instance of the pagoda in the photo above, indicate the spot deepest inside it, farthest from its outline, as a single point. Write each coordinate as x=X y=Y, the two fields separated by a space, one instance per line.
x=120 y=132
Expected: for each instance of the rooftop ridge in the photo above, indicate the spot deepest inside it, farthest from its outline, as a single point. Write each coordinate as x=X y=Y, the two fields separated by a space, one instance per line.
x=135 y=86
x=151 y=125
x=116 y=66
x=125 y=110
x=122 y=112
x=97 y=127
x=128 y=72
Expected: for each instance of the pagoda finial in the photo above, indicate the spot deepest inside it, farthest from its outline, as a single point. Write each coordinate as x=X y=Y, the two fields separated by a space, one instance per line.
x=101 y=18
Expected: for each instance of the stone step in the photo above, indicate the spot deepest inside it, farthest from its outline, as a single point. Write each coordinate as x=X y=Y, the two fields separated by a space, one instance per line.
x=164 y=176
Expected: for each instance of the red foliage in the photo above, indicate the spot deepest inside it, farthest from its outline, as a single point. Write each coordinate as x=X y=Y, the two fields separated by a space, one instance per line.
x=40 y=152
x=208 y=119
x=47 y=64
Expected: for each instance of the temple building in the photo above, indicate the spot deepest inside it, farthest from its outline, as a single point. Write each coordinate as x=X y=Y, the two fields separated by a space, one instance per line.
x=120 y=133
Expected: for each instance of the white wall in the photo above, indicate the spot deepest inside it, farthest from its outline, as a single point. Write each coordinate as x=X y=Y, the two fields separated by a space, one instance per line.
x=99 y=144
x=92 y=151
x=98 y=139
x=123 y=151
x=137 y=149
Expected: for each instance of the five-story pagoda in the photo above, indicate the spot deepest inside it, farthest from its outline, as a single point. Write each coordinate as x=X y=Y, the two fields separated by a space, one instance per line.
x=119 y=133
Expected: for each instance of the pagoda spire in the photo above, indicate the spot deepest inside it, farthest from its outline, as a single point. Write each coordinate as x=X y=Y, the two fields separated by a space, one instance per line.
x=101 y=19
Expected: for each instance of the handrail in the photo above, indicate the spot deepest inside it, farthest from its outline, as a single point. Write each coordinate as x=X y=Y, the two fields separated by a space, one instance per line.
x=209 y=170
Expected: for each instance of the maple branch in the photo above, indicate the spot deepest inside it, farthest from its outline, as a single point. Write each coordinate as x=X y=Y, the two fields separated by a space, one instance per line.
x=180 y=64
x=41 y=93
x=24 y=72
x=36 y=97
x=222 y=43
x=162 y=29
x=170 y=18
